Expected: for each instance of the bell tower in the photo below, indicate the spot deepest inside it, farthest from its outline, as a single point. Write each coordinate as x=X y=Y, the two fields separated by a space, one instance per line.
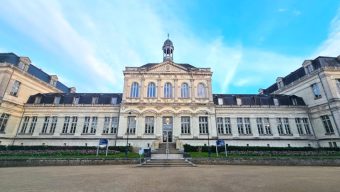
x=168 y=49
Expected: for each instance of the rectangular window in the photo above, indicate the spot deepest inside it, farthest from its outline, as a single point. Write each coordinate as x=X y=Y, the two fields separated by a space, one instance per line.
x=37 y=100
x=56 y=100
x=276 y=102
x=75 y=100
x=45 y=125
x=131 y=125
x=95 y=100
x=327 y=124
x=114 y=125
x=203 y=125
x=33 y=123
x=279 y=126
x=267 y=126
x=259 y=125
x=247 y=125
x=185 y=125
x=94 y=124
x=299 y=126
x=86 y=124
x=106 y=125
x=240 y=125
x=15 y=88
x=306 y=125
x=316 y=91
x=149 y=125
x=286 y=124
x=114 y=100
x=220 y=101
x=3 y=122
x=74 y=124
x=220 y=128
x=227 y=125
x=66 y=124
x=24 y=124
x=53 y=124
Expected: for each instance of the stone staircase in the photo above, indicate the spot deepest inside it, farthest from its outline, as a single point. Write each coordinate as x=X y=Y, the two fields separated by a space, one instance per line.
x=174 y=158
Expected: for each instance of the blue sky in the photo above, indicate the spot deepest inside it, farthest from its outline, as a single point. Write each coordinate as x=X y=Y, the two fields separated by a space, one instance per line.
x=247 y=43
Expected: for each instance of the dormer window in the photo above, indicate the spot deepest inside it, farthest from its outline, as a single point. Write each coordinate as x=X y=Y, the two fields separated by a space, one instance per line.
x=24 y=63
x=56 y=100
x=238 y=101
x=114 y=100
x=309 y=69
x=54 y=80
x=76 y=100
x=94 y=100
x=37 y=100
x=294 y=101
x=279 y=82
x=276 y=102
x=220 y=101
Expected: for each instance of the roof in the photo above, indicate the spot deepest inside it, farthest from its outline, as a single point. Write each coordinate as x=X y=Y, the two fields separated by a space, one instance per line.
x=185 y=65
x=67 y=98
x=13 y=59
x=254 y=99
x=319 y=62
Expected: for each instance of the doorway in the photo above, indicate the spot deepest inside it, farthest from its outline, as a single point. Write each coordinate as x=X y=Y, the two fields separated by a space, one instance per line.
x=167 y=129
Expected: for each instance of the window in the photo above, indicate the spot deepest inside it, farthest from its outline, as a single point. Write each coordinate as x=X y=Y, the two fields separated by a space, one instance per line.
x=219 y=122
x=185 y=125
x=95 y=100
x=37 y=100
x=53 y=124
x=276 y=102
x=316 y=91
x=33 y=123
x=327 y=125
x=294 y=101
x=286 y=124
x=45 y=125
x=75 y=100
x=240 y=125
x=131 y=125
x=247 y=125
x=114 y=100
x=74 y=124
x=134 y=90
x=259 y=126
x=238 y=101
x=94 y=125
x=220 y=101
x=279 y=126
x=114 y=125
x=185 y=90
x=168 y=90
x=86 y=124
x=56 y=100
x=24 y=124
x=3 y=122
x=201 y=90
x=306 y=125
x=309 y=69
x=227 y=124
x=15 y=88
x=203 y=125
x=106 y=125
x=151 y=90
x=66 y=124
x=149 y=125
x=267 y=126
x=299 y=126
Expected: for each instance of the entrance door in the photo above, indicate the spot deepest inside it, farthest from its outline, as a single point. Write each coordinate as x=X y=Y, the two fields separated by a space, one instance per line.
x=167 y=129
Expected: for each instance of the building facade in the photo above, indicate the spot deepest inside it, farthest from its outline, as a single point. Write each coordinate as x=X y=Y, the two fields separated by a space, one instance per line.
x=170 y=102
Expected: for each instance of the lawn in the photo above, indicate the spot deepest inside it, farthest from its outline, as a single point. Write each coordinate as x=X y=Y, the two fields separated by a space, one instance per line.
x=263 y=156
x=65 y=155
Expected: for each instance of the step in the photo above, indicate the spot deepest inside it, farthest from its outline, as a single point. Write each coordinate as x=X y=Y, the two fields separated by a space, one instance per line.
x=167 y=163
x=167 y=156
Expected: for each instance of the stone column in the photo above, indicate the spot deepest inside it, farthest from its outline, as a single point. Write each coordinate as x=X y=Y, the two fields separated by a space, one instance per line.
x=192 y=92
x=176 y=89
x=159 y=89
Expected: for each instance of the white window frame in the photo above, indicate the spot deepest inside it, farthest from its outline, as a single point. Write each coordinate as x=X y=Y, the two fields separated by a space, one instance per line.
x=33 y=124
x=151 y=93
x=240 y=126
x=185 y=125
x=203 y=124
x=201 y=92
x=168 y=90
x=185 y=90
x=15 y=88
x=131 y=125
x=327 y=124
x=149 y=124
x=134 y=90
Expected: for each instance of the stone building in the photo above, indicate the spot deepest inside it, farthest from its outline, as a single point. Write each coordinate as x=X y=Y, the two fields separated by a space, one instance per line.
x=170 y=102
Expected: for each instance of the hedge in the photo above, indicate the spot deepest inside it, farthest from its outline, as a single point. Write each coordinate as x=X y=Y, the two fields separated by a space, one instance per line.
x=58 y=148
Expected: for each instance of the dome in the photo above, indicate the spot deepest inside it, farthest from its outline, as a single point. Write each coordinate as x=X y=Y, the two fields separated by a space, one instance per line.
x=167 y=42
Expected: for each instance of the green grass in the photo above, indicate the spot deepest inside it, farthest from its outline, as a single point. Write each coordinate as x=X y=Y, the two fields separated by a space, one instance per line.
x=247 y=156
x=67 y=156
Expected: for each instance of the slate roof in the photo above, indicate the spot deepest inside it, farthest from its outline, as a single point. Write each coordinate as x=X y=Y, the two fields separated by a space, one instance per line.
x=67 y=98
x=13 y=59
x=254 y=99
x=185 y=65
x=317 y=63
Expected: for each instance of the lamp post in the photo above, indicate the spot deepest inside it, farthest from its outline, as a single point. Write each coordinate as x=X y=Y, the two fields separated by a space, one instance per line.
x=127 y=137
x=209 y=150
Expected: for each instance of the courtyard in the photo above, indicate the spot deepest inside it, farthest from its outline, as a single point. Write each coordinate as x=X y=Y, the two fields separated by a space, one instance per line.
x=201 y=178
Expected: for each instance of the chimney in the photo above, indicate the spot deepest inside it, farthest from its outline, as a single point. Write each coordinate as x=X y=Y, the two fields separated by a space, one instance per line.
x=72 y=90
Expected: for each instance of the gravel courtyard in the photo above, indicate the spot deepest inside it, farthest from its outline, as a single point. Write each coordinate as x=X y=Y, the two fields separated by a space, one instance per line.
x=201 y=178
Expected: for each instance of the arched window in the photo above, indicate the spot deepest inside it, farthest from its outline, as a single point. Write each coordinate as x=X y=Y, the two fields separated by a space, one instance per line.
x=168 y=90
x=201 y=90
x=134 y=90
x=185 y=90
x=151 y=90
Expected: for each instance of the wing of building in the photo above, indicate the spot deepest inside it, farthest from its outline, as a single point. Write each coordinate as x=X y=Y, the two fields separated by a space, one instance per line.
x=170 y=102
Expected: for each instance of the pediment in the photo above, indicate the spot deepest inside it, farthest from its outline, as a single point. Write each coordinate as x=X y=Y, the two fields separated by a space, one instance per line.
x=167 y=67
